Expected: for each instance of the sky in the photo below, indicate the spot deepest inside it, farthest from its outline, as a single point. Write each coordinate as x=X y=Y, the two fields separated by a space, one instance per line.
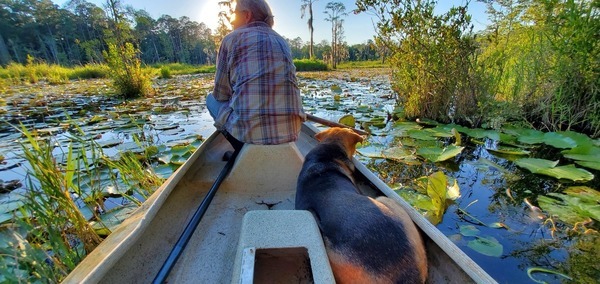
x=288 y=22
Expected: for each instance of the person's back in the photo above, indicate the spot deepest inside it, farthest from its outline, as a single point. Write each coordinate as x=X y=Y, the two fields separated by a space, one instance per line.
x=256 y=82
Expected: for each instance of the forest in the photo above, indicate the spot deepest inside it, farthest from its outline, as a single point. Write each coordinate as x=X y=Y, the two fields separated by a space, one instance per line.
x=76 y=34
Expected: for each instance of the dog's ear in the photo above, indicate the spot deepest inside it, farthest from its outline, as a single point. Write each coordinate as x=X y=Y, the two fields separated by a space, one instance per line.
x=351 y=138
x=320 y=136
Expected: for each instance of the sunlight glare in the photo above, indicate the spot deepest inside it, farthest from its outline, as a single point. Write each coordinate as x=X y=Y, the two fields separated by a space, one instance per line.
x=209 y=13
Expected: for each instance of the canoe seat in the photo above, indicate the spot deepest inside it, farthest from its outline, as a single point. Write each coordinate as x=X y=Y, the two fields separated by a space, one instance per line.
x=266 y=168
x=281 y=246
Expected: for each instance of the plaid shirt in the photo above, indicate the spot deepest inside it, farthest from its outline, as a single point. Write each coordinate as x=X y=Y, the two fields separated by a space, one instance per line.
x=257 y=77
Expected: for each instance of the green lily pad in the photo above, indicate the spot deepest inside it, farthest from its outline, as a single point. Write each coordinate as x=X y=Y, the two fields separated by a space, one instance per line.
x=113 y=218
x=336 y=89
x=577 y=204
x=421 y=135
x=589 y=165
x=420 y=201
x=348 y=120
x=487 y=246
x=549 y=168
x=165 y=170
x=535 y=165
x=469 y=231
x=588 y=153
x=509 y=151
x=569 y=172
x=482 y=133
x=436 y=154
x=398 y=154
x=557 y=140
x=529 y=136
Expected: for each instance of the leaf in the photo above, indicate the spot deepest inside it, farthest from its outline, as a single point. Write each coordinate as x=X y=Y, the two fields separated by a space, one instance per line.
x=559 y=141
x=529 y=136
x=401 y=128
x=569 y=172
x=585 y=193
x=535 y=165
x=588 y=153
x=347 y=120
x=487 y=246
x=469 y=230
x=589 y=165
x=509 y=151
x=421 y=135
x=549 y=168
x=398 y=154
x=436 y=154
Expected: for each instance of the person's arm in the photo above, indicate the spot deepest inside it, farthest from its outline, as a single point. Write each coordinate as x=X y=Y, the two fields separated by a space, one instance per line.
x=222 y=90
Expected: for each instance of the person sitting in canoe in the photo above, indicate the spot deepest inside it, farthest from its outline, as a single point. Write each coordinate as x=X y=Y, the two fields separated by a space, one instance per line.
x=256 y=97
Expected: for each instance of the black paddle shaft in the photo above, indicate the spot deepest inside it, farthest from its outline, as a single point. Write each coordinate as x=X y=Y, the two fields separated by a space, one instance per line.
x=191 y=226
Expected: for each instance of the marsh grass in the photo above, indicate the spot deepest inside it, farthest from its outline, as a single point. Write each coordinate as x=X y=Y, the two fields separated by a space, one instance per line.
x=15 y=74
x=363 y=64
x=183 y=69
x=310 y=65
x=57 y=233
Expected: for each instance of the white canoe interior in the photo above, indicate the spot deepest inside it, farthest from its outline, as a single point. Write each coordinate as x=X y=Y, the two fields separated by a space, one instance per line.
x=263 y=178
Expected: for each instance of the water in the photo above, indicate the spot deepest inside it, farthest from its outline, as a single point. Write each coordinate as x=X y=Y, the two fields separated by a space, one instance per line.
x=493 y=189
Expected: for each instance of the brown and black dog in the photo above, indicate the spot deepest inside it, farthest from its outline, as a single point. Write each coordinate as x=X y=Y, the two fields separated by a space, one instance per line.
x=367 y=240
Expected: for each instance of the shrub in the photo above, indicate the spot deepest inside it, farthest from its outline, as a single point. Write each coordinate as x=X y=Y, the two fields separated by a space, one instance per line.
x=165 y=72
x=128 y=77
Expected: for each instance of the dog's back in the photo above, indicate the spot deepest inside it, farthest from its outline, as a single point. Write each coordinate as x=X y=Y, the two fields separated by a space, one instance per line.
x=368 y=240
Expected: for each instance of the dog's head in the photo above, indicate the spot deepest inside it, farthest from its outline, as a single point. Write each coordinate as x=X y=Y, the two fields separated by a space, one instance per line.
x=344 y=137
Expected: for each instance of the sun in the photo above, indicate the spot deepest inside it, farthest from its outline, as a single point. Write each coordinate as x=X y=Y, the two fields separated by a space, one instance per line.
x=209 y=13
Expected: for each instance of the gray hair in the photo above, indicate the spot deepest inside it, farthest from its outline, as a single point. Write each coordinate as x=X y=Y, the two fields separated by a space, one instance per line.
x=260 y=10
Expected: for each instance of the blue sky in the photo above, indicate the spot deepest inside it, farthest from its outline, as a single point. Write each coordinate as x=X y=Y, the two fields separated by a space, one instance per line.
x=358 y=28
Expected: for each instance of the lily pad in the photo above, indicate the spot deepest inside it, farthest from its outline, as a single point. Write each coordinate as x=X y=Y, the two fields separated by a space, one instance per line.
x=436 y=154
x=549 y=168
x=482 y=133
x=398 y=154
x=509 y=151
x=421 y=135
x=589 y=165
x=113 y=218
x=469 y=230
x=347 y=120
x=569 y=209
x=557 y=140
x=589 y=153
x=529 y=136
x=487 y=246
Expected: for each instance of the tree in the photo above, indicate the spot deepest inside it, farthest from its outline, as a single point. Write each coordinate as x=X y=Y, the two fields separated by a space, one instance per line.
x=334 y=12
x=307 y=4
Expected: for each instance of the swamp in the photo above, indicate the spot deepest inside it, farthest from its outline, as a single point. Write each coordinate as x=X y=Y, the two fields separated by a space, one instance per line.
x=524 y=204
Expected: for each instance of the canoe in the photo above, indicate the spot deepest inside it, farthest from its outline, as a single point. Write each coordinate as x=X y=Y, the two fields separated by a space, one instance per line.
x=250 y=231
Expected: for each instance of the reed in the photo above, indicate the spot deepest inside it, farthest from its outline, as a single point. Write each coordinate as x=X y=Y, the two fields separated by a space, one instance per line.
x=56 y=230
